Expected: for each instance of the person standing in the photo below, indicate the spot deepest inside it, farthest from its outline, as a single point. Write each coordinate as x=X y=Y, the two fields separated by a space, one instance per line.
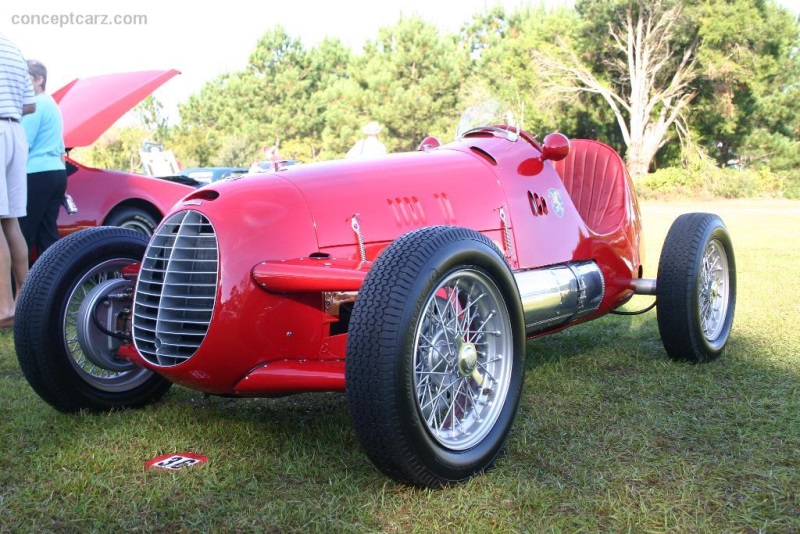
x=370 y=145
x=16 y=100
x=47 y=175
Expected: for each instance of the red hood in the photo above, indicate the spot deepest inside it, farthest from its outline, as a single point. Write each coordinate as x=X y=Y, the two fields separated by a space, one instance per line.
x=89 y=106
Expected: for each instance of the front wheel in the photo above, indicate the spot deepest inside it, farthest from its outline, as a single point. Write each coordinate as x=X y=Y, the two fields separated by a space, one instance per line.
x=72 y=299
x=434 y=365
x=696 y=288
x=134 y=219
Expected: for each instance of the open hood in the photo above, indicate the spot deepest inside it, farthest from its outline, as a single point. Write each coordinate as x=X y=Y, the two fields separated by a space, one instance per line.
x=89 y=106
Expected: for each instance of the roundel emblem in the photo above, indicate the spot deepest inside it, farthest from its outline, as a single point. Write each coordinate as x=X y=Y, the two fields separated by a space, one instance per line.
x=556 y=201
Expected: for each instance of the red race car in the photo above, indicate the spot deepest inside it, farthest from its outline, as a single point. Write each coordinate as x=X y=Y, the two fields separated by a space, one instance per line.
x=411 y=282
x=96 y=197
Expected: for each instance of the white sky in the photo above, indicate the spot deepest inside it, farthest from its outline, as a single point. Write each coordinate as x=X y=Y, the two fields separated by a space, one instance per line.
x=204 y=39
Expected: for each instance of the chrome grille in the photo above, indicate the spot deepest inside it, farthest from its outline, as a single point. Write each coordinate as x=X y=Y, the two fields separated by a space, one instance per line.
x=176 y=289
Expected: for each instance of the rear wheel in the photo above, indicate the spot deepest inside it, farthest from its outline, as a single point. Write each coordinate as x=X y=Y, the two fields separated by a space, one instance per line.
x=696 y=288
x=434 y=365
x=73 y=298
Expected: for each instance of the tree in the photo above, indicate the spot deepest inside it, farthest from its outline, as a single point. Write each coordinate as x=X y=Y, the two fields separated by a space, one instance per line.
x=749 y=87
x=329 y=92
x=505 y=43
x=150 y=113
x=280 y=96
x=408 y=80
x=646 y=82
x=486 y=30
x=116 y=149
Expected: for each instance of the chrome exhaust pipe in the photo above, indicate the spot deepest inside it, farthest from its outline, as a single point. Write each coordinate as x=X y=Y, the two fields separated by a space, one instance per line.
x=554 y=296
x=644 y=286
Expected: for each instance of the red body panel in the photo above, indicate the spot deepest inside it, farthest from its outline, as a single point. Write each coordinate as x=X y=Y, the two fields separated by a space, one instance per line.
x=290 y=376
x=395 y=195
x=90 y=106
x=271 y=329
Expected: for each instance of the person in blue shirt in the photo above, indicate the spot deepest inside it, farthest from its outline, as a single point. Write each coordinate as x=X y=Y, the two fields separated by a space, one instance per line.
x=47 y=175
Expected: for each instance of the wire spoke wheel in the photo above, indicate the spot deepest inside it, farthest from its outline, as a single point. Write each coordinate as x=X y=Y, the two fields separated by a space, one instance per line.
x=714 y=291
x=696 y=288
x=99 y=377
x=435 y=351
x=73 y=317
x=462 y=359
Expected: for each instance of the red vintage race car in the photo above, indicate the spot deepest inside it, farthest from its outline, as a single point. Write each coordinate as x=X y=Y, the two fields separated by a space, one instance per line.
x=410 y=282
x=89 y=106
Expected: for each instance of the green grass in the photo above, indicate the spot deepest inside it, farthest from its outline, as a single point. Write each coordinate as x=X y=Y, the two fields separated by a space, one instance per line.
x=611 y=435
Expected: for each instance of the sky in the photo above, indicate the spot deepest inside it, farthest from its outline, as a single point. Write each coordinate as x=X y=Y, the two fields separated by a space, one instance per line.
x=204 y=42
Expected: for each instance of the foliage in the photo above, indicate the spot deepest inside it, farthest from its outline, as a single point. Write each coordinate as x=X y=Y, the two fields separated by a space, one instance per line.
x=643 y=68
x=506 y=68
x=650 y=61
x=750 y=80
x=739 y=99
x=791 y=185
x=704 y=179
x=237 y=150
x=151 y=117
x=117 y=149
x=194 y=146
x=281 y=96
x=408 y=80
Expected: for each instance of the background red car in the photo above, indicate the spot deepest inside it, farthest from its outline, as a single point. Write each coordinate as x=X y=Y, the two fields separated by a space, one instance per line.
x=90 y=106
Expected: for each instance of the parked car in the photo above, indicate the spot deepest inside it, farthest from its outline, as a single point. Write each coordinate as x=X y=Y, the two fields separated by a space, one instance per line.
x=410 y=282
x=89 y=106
x=266 y=166
x=207 y=175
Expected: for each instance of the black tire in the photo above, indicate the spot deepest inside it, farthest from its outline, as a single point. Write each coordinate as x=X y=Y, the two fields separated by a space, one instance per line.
x=136 y=219
x=696 y=288
x=47 y=330
x=410 y=361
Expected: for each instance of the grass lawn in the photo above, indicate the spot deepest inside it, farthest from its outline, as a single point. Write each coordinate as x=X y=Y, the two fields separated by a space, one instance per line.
x=611 y=435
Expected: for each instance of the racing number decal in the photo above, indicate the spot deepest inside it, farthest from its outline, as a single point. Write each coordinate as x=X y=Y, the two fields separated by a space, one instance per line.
x=174 y=462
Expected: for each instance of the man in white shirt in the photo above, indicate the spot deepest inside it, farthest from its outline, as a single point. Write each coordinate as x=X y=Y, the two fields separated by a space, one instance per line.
x=16 y=100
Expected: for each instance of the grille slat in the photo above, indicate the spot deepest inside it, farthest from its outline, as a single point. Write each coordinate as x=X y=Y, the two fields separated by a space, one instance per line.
x=165 y=270
x=176 y=289
x=187 y=284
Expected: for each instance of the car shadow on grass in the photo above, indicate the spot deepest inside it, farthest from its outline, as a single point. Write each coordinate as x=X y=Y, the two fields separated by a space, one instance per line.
x=605 y=410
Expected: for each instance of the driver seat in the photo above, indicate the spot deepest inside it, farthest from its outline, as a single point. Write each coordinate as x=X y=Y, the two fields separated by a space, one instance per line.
x=595 y=178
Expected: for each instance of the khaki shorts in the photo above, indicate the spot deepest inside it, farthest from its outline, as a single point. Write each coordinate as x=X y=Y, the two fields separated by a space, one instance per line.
x=13 y=161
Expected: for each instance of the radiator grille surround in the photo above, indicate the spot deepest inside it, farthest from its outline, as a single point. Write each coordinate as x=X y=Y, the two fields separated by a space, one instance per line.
x=176 y=290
